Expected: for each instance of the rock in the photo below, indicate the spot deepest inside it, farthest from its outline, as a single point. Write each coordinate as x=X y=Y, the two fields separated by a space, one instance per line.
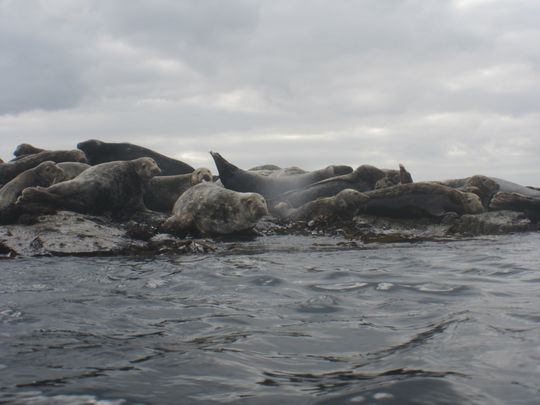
x=493 y=223
x=68 y=233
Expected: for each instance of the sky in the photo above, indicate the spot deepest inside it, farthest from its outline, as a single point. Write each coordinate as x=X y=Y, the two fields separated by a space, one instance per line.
x=449 y=88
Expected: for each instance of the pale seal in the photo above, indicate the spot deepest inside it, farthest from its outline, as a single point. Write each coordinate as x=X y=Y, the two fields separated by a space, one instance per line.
x=115 y=187
x=162 y=191
x=237 y=179
x=11 y=169
x=101 y=152
x=44 y=174
x=209 y=209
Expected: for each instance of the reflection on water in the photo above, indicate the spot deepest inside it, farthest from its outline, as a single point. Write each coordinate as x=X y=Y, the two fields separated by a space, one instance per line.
x=277 y=320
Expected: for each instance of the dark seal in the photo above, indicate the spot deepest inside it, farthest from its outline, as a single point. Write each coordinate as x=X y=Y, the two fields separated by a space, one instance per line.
x=101 y=152
x=237 y=179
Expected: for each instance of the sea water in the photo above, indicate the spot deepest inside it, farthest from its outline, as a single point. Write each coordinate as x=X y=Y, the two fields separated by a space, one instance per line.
x=277 y=320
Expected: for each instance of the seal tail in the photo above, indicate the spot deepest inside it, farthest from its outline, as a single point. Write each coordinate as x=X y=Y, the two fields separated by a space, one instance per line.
x=224 y=168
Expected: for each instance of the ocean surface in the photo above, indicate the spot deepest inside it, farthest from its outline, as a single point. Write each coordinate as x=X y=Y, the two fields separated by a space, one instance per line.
x=277 y=320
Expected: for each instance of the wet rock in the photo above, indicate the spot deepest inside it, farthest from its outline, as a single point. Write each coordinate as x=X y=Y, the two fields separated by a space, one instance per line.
x=68 y=233
x=493 y=223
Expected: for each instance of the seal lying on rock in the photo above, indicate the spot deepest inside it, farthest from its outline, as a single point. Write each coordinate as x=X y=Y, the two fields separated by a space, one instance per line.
x=102 y=152
x=343 y=205
x=486 y=187
x=237 y=179
x=25 y=149
x=44 y=174
x=115 y=187
x=415 y=200
x=162 y=191
x=11 y=169
x=213 y=210
x=364 y=178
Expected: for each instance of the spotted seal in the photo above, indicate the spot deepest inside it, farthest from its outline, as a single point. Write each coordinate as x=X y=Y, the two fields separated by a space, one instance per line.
x=44 y=174
x=162 y=191
x=115 y=187
x=212 y=210
x=10 y=170
x=101 y=152
x=237 y=179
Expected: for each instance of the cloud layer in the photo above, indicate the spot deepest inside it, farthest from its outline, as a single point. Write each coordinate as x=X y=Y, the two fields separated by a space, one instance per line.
x=449 y=88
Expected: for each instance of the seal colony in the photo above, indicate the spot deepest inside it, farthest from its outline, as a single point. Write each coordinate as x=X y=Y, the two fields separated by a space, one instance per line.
x=150 y=202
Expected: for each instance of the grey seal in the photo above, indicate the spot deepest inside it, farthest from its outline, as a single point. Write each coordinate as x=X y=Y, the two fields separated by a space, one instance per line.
x=10 y=170
x=44 y=174
x=115 y=187
x=237 y=179
x=25 y=149
x=212 y=210
x=363 y=178
x=101 y=152
x=162 y=191
x=424 y=199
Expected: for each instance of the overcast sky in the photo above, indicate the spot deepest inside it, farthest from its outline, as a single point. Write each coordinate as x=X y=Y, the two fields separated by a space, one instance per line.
x=450 y=88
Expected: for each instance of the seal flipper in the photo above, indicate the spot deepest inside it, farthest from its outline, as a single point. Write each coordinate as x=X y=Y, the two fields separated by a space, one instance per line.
x=225 y=168
x=178 y=225
x=404 y=176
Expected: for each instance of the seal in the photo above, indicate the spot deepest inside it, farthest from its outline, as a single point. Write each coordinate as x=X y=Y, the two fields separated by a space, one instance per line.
x=416 y=200
x=44 y=174
x=513 y=201
x=237 y=179
x=10 y=170
x=115 y=187
x=101 y=152
x=363 y=178
x=25 y=149
x=162 y=191
x=487 y=187
x=71 y=169
x=344 y=205
x=209 y=209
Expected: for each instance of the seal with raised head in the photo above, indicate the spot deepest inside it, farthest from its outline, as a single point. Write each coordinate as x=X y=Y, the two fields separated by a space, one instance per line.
x=209 y=209
x=162 y=191
x=416 y=200
x=237 y=179
x=101 y=152
x=115 y=187
x=25 y=149
x=44 y=174
x=11 y=169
